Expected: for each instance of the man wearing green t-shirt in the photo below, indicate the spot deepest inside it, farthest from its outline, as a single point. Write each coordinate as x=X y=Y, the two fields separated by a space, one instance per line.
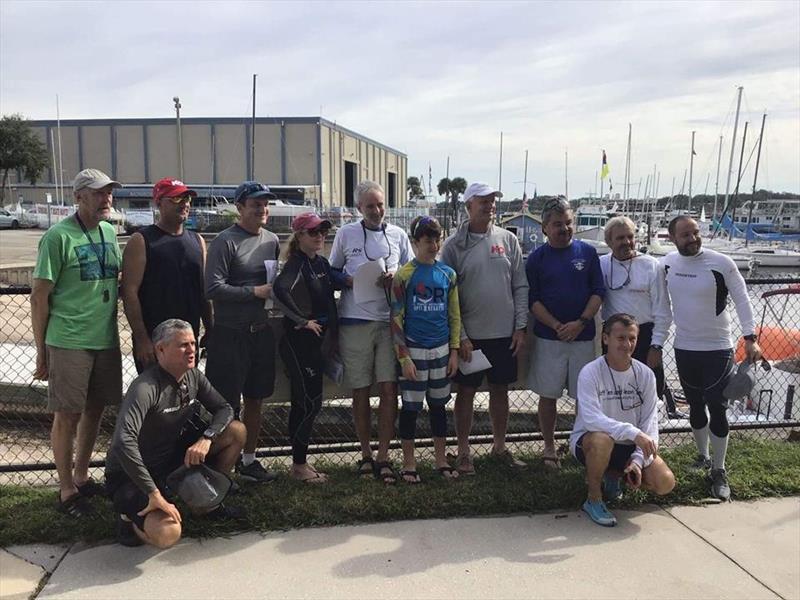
x=74 y=315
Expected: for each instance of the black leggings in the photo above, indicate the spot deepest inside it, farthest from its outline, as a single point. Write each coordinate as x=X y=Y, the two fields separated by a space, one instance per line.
x=703 y=375
x=302 y=355
x=408 y=422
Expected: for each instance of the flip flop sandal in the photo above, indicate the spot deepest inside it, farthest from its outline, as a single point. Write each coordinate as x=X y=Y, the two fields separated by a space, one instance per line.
x=449 y=473
x=389 y=478
x=315 y=479
x=370 y=471
x=415 y=478
x=75 y=506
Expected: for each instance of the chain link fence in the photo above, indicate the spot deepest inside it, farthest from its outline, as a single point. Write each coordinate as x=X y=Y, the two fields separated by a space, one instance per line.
x=771 y=411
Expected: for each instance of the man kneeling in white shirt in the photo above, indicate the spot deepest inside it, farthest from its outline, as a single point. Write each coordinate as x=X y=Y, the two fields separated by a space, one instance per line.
x=616 y=426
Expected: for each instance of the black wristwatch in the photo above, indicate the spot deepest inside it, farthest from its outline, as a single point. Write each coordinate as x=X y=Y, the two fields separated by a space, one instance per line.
x=656 y=347
x=751 y=338
x=210 y=434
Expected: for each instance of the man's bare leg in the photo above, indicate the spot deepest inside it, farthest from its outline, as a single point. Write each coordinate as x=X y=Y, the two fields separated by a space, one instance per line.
x=387 y=415
x=88 y=426
x=62 y=436
x=597 y=449
x=498 y=412
x=547 y=425
x=362 y=419
x=251 y=417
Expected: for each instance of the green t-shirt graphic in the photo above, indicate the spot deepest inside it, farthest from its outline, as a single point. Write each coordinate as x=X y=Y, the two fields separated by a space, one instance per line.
x=83 y=303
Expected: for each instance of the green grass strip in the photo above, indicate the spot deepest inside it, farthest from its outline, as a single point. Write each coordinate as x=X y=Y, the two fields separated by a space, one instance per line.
x=757 y=469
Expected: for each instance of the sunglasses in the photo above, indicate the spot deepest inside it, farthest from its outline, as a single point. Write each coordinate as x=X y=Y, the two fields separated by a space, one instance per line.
x=181 y=199
x=316 y=232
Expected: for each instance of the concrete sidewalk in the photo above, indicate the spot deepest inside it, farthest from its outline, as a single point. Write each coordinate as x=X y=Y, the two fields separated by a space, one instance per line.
x=739 y=550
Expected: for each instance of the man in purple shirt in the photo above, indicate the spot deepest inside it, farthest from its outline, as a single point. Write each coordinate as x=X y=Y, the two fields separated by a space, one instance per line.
x=565 y=292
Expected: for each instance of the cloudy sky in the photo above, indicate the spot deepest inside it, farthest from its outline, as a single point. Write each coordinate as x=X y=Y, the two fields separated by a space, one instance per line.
x=439 y=79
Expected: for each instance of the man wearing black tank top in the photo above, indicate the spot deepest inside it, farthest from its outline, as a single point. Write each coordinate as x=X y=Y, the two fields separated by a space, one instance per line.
x=162 y=271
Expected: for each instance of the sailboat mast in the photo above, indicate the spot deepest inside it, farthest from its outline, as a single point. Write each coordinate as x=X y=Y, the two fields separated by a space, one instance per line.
x=716 y=185
x=755 y=178
x=738 y=181
x=733 y=146
x=626 y=183
x=691 y=173
x=566 y=174
x=525 y=178
x=253 y=133
x=500 y=177
x=60 y=178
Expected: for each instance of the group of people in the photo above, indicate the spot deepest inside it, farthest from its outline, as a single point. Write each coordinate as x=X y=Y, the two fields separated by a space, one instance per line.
x=444 y=303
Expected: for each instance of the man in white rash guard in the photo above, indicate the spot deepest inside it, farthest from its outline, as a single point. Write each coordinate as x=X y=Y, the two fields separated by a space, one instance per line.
x=616 y=425
x=699 y=283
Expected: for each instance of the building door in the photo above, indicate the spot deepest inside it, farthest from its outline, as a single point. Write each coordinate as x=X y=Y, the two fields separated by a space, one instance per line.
x=391 y=189
x=349 y=183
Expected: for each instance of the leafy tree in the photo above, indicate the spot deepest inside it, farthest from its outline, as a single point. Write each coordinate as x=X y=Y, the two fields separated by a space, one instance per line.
x=456 y=187
x=20 y=149
x=415 y=188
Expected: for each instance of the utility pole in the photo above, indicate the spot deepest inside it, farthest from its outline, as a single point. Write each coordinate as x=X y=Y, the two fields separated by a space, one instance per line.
x=253 y=133
x=177 y=102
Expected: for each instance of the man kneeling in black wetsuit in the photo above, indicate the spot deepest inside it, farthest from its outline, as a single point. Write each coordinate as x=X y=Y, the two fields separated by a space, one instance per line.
x=158 y=429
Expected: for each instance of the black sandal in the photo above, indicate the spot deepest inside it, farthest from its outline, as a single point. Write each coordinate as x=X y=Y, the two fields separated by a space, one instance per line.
x=362 y=472
x=91 y=488
x=389 y=478
x=413 y=474
x=75 y=506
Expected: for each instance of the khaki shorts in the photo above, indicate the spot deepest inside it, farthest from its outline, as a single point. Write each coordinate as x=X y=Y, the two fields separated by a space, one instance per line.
x=555 y=365
x=367 y=354
x=81 y=378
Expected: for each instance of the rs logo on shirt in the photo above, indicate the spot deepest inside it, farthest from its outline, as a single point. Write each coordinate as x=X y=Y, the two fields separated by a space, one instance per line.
x=498 y=250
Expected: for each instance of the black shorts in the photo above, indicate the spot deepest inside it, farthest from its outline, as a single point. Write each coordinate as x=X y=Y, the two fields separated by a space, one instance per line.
x=620 y=455
x=126 y=496
x=241 y=363
x=704 y=374
x=504 y=364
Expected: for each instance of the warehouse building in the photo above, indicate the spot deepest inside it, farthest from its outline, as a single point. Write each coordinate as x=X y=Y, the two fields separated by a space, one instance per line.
x=307 y=159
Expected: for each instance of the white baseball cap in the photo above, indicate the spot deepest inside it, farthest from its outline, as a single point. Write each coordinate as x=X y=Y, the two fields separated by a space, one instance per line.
x=480 y=189
x=94 y=179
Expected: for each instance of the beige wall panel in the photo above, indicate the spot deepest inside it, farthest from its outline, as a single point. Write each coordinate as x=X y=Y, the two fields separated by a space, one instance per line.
x=130 y=154
x=231 y=158
x=196 y=154
x=337 y=169
x=325 y=140
x=391 y=162
x=97 y=147
x=301 y=154
x=363 y=158
x=349 y=148
x=69 y=153
x=268 y=154
x=162 y=149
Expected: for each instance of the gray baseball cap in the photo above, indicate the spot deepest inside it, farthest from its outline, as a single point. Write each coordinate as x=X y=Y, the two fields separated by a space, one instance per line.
x=741 y=384
x=94 y=179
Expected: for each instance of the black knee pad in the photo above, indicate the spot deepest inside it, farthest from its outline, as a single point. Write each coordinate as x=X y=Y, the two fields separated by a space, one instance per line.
x=408 y=424
x=438 y=421
x=718 y=424
x=697 y=415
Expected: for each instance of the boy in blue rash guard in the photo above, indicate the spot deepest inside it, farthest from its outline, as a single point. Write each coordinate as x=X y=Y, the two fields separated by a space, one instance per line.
x=426 y=328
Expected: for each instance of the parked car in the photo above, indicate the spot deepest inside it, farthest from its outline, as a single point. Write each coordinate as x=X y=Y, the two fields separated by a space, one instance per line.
x=14 y=220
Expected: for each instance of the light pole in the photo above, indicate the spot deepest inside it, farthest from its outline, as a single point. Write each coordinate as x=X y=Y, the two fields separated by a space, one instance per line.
x=177 y=102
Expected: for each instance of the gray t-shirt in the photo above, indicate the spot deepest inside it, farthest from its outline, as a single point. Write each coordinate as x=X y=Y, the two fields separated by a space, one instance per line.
x=235 y=265
x=151 y=418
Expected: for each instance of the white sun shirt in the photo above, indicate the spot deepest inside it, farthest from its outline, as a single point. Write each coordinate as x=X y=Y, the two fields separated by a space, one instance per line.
x=350 y=251
x=621 y=404
x=699 y=287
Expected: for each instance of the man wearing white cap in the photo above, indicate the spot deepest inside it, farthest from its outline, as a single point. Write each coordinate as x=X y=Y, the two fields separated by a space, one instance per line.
x=493 y=294
x=74 y=315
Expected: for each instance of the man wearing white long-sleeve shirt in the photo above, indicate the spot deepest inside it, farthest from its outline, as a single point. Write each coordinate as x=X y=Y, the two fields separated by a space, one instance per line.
x=635 y=285
x=699 y=283
x=616 y=426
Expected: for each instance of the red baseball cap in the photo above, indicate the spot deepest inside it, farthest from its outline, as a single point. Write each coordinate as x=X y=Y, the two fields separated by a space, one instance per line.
x=309 y=220
x=171 y=188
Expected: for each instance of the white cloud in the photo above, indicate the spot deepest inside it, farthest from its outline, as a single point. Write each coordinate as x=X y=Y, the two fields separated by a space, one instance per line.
x=435 y=79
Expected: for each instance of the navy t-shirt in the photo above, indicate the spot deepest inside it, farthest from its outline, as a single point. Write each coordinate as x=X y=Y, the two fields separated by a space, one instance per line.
x=563 y=279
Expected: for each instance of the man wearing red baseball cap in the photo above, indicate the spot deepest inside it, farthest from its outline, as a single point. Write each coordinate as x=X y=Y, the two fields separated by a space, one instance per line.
x=162 y=271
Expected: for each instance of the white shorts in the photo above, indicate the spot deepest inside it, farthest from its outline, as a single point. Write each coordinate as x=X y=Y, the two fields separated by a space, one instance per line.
x=555 y=365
